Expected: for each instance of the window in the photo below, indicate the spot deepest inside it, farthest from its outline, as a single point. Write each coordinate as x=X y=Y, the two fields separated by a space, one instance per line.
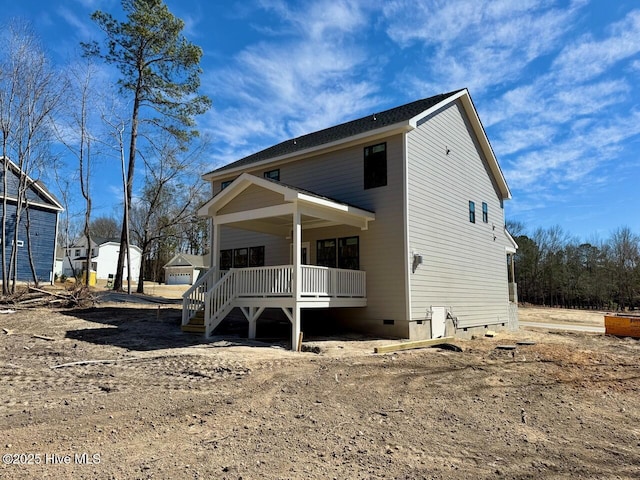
x=225 y=184
x=326 y=253
x=241 y=258
x=256 y=256
x=273 y=175
x=342 y=252
x=472 y=212
x=349 y=253
x=226 y=259
x=77 y=252
x=485 y=212
x=375 y=166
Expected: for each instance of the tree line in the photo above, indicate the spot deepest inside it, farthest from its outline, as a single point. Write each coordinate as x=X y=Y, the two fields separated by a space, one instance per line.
x=556 y=269
x=142 y=124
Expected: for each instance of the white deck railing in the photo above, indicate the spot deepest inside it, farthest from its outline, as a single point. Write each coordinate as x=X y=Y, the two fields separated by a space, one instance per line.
x=332 y=282
x=193 y=298
x=215 y=291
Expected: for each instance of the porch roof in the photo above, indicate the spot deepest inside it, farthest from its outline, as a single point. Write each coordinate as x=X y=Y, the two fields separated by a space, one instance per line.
x=315 y=210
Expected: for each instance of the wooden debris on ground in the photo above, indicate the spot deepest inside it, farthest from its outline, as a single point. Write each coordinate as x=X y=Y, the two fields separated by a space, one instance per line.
x=32 y=297
x=412 y=344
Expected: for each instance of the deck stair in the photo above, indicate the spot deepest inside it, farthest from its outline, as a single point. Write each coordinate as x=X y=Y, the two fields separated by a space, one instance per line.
x=196 y=323
x=253 y=289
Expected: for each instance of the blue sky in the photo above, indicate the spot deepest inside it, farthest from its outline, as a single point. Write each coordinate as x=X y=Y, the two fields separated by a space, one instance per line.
x=555 y=83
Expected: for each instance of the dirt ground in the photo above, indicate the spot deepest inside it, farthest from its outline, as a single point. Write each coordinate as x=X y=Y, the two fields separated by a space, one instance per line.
x=118 y=392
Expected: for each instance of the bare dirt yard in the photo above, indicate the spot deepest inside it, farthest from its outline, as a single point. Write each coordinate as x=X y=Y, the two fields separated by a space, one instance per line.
x=118 y=392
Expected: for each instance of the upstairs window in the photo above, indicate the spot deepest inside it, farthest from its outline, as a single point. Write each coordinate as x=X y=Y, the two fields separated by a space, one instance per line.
x=472 y=211
x=375 y=166
x=225 y=184
x=485 y=212
x=273 y=175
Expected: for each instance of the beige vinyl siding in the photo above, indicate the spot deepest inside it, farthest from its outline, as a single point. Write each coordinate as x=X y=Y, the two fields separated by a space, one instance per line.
x=251 y=198
x=339 y=175
x=276 y=250
x=464 y=263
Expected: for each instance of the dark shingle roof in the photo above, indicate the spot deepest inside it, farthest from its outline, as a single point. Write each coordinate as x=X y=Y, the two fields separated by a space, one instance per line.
x=375 y=121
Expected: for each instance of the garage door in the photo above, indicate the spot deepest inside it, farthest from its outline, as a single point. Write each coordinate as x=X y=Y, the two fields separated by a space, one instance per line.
x=179 y=279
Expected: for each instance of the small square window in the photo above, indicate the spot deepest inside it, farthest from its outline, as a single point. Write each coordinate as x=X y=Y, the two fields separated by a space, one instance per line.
x=485 y=212
x=225 y=184
x=472 y=211
x=273 y=175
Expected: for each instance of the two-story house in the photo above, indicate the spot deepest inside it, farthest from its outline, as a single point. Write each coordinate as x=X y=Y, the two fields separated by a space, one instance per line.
x=37 y=227
x=393 y=222
x=103 y=258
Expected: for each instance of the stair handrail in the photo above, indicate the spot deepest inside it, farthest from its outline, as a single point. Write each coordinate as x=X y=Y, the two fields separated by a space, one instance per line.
x=218 y=298
x=194 y=298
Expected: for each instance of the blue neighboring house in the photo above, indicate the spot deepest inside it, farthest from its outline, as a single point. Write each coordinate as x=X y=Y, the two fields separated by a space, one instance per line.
x=43 y=215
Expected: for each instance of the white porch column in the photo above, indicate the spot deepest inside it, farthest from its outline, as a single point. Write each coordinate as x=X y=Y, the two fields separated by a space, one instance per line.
x=215 y=244
x=297 y=278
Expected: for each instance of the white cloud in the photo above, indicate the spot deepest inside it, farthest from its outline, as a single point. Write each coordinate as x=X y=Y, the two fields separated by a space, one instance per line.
x=588 y=58
x=303 y=81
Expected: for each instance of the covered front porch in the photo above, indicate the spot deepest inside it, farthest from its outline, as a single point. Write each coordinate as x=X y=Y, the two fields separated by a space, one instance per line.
x=259 y=205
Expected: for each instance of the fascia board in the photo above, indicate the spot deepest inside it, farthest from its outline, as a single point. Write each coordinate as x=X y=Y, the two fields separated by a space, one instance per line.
x=327 y=147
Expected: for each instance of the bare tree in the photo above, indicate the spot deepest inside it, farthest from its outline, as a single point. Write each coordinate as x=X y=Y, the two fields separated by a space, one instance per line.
x=160 y=71
x=172 y=192
x=105 y=227
x=77 y=137
x=29 y=93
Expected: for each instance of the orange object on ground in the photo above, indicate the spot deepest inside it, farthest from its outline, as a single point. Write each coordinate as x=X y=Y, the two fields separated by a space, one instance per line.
x=622 y=326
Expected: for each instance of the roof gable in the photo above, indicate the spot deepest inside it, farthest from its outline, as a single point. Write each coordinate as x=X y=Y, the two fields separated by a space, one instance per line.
x=406 y=116
x=37 y=193
x=370 y=123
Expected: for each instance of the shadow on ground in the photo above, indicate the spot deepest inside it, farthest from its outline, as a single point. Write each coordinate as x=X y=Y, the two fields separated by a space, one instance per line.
x=146 y=328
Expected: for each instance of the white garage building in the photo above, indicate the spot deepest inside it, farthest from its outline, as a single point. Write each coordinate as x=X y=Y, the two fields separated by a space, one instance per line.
x=184 y=269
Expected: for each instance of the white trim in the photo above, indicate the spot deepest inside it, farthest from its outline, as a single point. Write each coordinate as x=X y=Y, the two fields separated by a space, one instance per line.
x=371 y=135
x=31 y=182
x=405 y=232
x=307 y=204
x=265 y=212
x=467 y=103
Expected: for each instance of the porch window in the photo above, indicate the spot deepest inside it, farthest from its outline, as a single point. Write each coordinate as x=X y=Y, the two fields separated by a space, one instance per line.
x=326 y=253
x=375 y=166
x=241 y=258
x=472 y=211
x=342 y=252
x=256 y=256
x=349 y=253
x=226 y=259
x=273 y=174
x=485 y=212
